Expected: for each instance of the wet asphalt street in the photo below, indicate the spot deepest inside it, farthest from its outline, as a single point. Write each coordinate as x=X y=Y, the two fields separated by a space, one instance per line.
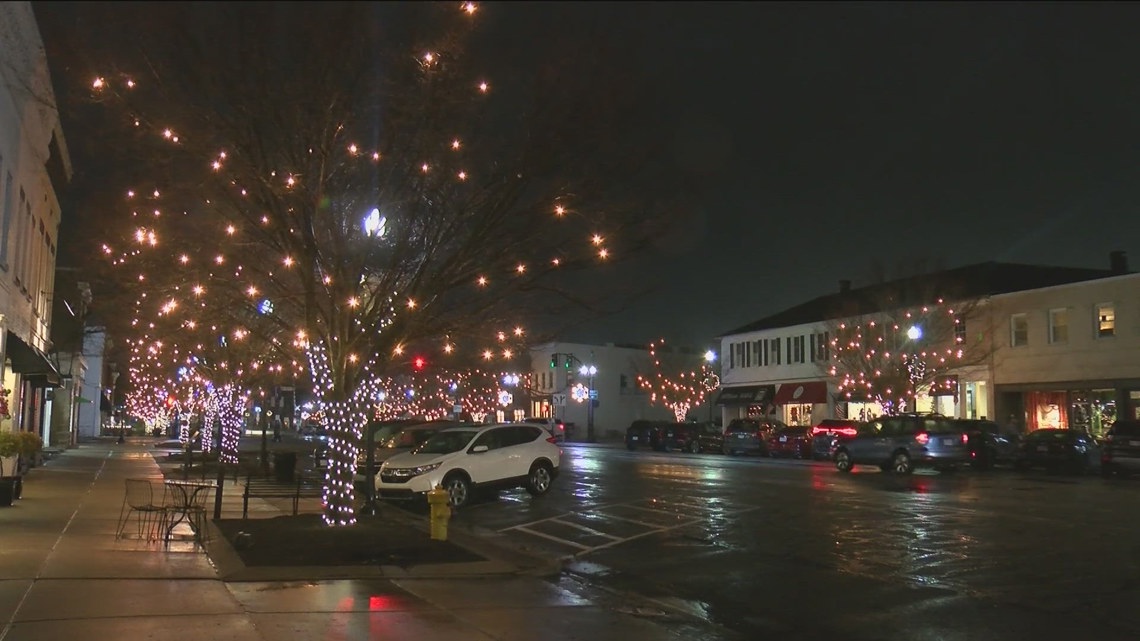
x=759 y=547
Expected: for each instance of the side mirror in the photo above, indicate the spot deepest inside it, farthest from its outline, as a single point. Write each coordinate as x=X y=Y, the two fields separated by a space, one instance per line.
x=479 y=449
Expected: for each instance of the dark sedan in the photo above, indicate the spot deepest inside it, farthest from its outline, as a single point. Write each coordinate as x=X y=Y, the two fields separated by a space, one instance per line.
x=827 y=434
x=989 y=444
x=1056 y=450
x=643 y=433
x=794 y=442
x=1121 y=453
x=679 y=436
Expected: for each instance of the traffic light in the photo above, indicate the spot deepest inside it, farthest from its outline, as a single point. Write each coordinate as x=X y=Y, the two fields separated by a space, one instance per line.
x=553 y=361
x=568 y=359
x=419 y=363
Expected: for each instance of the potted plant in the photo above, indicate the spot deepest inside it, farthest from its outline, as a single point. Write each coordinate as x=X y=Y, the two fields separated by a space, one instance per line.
x=29 y=447
x=9 y=464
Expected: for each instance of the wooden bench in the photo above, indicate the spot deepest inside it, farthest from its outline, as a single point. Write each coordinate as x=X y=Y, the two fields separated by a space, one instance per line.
x=267 y=487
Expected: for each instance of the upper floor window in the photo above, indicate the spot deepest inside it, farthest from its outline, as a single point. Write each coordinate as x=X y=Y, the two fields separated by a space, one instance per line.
x=959 y=330
x=1059 y=325
x=1018 y=330
x=1105 y=320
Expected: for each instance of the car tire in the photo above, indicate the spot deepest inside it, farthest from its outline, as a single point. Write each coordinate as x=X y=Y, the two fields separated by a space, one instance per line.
x=694 y=447
x=843 y=461
x=540 y=479
x=901 y=464
x=458 y=488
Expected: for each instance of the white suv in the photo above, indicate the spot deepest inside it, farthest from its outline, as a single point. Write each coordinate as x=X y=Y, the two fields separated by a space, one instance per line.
x=463 y=459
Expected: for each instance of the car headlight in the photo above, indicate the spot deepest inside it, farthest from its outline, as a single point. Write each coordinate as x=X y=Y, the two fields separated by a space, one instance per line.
x=409 y=472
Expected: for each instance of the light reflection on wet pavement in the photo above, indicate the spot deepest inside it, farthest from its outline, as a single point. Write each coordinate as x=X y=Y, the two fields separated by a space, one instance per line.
x=794 y=547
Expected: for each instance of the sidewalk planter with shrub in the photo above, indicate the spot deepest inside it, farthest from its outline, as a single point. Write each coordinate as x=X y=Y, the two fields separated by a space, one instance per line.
x=9 y=468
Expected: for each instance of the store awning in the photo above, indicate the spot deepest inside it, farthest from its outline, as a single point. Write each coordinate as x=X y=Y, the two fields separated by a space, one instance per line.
x=809 y=392
x=746 y=395
x=31 y=362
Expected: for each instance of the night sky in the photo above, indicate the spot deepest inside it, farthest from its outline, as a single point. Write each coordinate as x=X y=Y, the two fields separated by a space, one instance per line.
x=818 y=139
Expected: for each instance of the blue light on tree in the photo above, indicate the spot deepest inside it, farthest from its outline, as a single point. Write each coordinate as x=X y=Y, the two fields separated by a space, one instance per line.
x=265 y=306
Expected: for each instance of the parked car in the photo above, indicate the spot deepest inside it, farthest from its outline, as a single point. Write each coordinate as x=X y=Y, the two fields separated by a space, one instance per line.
x=402 y=439
x=988 y=443
x=555 y=426
x=465 y=459
x=794 y=442
x=710 y=438
x=745 y=435
x=1056 y=450
x=899 y=443
x=642 y=433
x=1121 y=451
x=679 y=436
x=827 y=433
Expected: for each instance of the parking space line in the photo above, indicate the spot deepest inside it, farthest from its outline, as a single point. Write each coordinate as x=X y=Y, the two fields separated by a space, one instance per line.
x=586 y=529
x=521 y=525
x=646 y=509
x=627 y=520
x=544 y=535
x=635 y=537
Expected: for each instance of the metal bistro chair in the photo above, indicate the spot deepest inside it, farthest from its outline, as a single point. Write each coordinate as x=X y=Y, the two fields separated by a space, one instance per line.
x=139 y=497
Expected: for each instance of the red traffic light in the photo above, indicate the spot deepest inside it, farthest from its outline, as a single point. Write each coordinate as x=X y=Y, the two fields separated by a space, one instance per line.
x=419 y=363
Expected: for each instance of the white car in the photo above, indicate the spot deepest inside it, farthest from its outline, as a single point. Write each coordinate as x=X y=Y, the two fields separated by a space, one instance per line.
x=463 y=459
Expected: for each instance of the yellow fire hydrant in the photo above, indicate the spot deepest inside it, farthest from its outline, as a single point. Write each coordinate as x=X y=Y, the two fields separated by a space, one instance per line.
x=440 y=512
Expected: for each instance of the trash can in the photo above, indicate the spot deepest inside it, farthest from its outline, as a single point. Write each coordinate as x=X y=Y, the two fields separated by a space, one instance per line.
x=284 y=466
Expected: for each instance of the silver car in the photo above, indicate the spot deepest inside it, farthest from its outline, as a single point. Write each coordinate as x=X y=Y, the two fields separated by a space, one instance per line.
x=899 y=443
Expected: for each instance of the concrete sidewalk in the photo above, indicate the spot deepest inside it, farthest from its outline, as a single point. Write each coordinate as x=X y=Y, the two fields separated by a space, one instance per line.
x=64 y=575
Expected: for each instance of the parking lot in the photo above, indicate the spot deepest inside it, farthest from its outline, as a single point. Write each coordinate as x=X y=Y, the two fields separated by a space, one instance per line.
x=748 y=542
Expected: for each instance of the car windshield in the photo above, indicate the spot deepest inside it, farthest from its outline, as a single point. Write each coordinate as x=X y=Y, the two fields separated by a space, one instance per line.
x=446 y=442
x=742 y=426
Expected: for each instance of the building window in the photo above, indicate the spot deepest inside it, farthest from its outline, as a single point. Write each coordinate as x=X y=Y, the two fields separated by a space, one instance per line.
x=812 y=351
x=6 y=225
x=775 y=351
x=748 y=354
x=1105 y=320
x=1059 y=325
x=1018 y=330
x=758 y=351
x=732 y=356
x=959 y=330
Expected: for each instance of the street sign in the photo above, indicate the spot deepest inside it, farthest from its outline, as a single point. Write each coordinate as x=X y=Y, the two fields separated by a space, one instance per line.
x=558 y=400
x=593 y=395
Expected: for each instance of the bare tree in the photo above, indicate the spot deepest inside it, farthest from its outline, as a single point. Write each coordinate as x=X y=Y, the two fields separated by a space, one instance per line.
x=676 y=380
x=890 y=342
x=351 y=191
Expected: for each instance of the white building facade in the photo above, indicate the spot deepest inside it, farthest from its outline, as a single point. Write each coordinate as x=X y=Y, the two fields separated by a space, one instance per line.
x=1069 y=356
x=1065 y=355
x=33 y=165
x=562 y=390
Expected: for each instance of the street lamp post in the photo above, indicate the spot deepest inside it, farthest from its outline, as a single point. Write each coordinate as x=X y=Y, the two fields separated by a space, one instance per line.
x=589 y=370
x=710 y=358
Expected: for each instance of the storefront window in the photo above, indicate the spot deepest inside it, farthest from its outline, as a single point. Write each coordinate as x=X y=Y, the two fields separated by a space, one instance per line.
x=1134 y=397
x=1046 y=410
x=797 y=414
x=1094 y=411
x=863 y=411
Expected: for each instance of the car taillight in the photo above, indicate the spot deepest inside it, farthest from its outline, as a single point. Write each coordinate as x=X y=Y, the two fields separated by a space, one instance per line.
x=552 y=440
x=849 y=431
x=965 y=438
x=922 y=437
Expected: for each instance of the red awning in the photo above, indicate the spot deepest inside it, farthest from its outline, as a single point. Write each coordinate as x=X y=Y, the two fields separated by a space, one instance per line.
x=809 y=392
